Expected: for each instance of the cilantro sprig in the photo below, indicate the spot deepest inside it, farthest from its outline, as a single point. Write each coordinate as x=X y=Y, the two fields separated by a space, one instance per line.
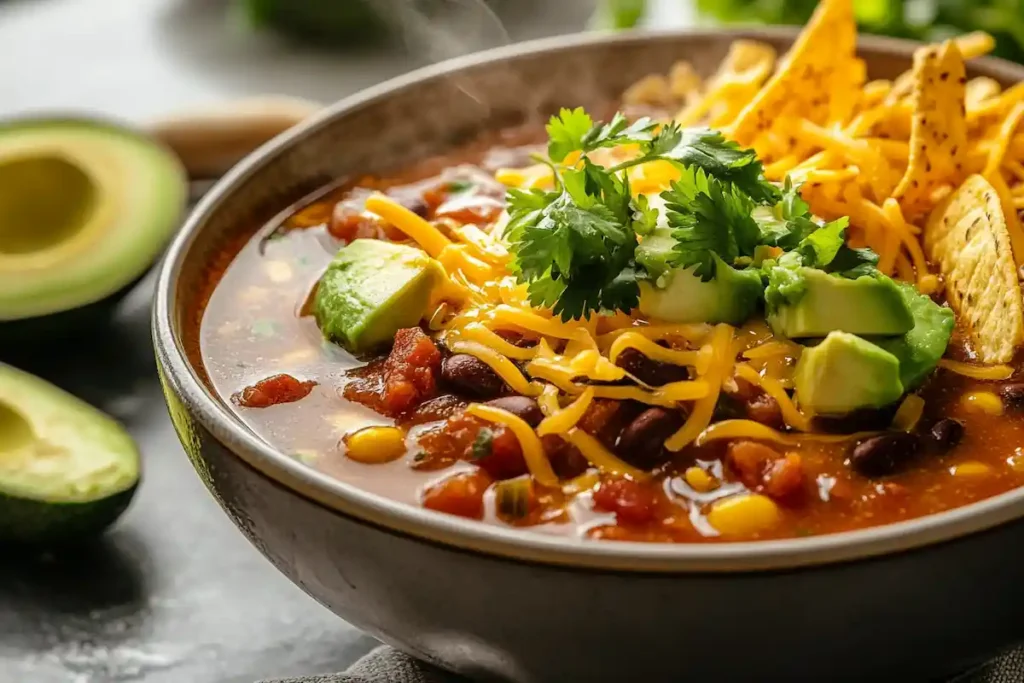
x=575 y=246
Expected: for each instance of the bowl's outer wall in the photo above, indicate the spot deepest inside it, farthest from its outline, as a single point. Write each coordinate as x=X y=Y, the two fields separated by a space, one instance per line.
x=917 y=616
x=910 y=615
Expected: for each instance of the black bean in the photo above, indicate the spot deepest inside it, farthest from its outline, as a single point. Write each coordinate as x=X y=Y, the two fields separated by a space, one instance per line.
x=860 y=420
x=471 y=376
x=523 y=407
x=884 y=454
x=946 y=433
x=642 y=442
x=652 y=372
x=1013 y=395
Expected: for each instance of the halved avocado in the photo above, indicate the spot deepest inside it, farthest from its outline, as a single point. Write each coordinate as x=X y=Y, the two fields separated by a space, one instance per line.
x=67 y=471
x=85 y=209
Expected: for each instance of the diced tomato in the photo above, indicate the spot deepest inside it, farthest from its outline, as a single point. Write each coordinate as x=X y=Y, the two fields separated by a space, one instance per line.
x=748 y=459
x=632 y=502
x=272 y=391
x=784 y=477
x=764 y=469
x=463 y=437
x=404 y=380
x=461 y=494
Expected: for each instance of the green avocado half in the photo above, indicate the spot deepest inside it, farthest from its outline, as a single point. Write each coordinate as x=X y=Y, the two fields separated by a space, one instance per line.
x=85 y=209
x=67 y=471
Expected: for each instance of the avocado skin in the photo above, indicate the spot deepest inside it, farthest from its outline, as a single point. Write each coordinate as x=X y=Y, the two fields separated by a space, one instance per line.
x=30 y=522
x=53 y=329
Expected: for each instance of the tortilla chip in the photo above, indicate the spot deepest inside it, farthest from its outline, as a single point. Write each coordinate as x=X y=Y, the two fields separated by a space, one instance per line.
x=966 y=236
x=938 y=133
x=818 y=80
x=737 y=80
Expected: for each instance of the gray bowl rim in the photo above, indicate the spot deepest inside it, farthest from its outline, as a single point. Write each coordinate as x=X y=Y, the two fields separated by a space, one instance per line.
x=519 y=544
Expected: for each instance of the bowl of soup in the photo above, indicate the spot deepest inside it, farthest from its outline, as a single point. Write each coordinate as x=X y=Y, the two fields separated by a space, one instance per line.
x=635 y=356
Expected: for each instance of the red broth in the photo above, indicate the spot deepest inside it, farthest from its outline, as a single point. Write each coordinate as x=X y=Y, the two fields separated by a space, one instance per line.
x=256 y=326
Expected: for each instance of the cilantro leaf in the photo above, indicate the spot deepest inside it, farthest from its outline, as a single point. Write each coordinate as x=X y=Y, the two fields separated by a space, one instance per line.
x=792 y=204
x=719 y=158
x=618 y=131
x=788 y=222
x=821 y=246
x=645 y=216
x=709 y=217
x=566 y=131
x=576 y=253
x=573 y=130
x=853 y=263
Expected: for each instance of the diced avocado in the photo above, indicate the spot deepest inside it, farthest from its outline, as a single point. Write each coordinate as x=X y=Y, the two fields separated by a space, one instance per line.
x=679 y=296
x=371 y=290
x=655 y=251
x=66 y=469
x=920 y=349
x=806 y=302
x=844 y=373
x=85 y=209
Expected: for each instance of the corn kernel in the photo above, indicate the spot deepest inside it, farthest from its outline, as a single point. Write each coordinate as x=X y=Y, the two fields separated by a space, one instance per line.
x=699 y=480
x=971 y=468
x=374 y=445
x=982 y=402
x=744 y=514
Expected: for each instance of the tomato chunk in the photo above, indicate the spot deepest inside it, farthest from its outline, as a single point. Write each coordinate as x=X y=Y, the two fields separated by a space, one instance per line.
x=492 y=447
x=462 y=495
x=272 y=391
x=632 y=502
x=762 y=468
x=407 y=378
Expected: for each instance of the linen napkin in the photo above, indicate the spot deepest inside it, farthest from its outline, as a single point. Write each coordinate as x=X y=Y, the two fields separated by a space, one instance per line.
x=387 y=665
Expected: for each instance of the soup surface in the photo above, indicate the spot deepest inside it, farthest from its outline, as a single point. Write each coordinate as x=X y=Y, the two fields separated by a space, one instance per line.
x=790 y=308
x=257 y=325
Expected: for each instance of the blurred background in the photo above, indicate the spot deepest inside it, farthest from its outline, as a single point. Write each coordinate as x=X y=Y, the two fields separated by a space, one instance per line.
x=139 y=58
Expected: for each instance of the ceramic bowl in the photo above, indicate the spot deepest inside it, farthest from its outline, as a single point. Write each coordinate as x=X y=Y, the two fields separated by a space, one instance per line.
x=911 y=601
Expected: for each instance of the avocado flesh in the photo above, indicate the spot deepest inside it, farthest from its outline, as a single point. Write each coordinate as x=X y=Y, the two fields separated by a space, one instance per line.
x=66 y=469
x=371 y=290
x=920 y=349
x=85 y=210
x=679 y=296
x=845 y=373
x=868 y=305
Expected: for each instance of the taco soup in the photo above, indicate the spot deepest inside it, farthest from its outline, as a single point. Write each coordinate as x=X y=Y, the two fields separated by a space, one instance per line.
x=776 y=301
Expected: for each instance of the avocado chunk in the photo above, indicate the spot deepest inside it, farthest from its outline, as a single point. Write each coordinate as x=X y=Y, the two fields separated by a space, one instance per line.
x=844 y=373
x=85 y=209
x=807 y=302
x=371 y=290
x=920 y=349
x=678 y=296
x=66 y=469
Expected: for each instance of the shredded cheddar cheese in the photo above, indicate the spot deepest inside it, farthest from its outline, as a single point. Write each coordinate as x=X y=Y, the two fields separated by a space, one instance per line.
x=416 y=227
x=565 y=419
x=722 y=360
x=501 y=365
x=984 y=372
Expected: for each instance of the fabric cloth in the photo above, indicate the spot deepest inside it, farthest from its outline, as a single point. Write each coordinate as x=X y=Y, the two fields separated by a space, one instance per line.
x=386 y=665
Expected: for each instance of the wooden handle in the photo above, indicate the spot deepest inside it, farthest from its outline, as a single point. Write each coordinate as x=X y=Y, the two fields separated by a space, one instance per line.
x=211 y=141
